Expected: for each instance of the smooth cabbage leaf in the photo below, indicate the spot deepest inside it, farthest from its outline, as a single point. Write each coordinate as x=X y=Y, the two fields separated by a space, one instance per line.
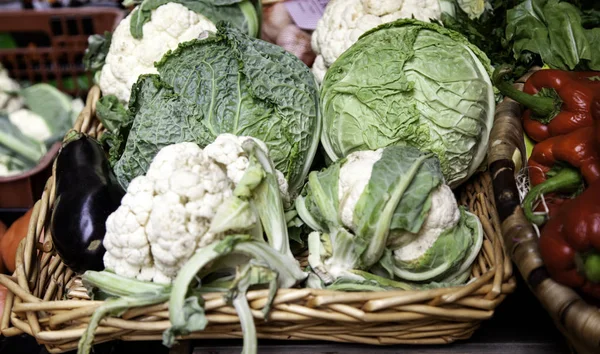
x=411 y=83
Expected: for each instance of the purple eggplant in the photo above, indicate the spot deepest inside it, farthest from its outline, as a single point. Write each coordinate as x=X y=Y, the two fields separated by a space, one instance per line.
x=87 y=192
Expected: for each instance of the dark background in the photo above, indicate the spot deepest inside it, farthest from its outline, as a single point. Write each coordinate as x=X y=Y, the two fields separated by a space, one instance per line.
x=520 y=325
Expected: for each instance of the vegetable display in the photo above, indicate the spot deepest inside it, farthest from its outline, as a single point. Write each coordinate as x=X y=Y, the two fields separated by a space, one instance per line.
x=227 y=83
x=387 y=211
x=207 y=165
x=411 y=83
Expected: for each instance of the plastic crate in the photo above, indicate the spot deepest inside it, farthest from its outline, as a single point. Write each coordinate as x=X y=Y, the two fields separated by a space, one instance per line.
x=49 y=47
x=50 y=44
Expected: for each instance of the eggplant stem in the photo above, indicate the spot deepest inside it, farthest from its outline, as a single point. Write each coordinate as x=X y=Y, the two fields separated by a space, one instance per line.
x=544 y=107
x=567 y=178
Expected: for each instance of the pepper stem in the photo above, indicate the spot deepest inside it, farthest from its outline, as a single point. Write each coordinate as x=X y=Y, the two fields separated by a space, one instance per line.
x=567 y=178
x=591 y=266
x=545 y=108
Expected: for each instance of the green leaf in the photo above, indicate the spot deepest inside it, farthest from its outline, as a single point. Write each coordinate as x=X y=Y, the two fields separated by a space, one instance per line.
x=289 y=274
x=111 y=113
x=322 y=201
x=233 y=214
x=553 y=30
x=95 y=54
x=267 y=199
x=382 y=203
x=160 y=118
x=18 y=144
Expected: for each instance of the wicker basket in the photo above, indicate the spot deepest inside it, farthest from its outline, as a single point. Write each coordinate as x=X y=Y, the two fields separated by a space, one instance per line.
x=577 y=320
x=46 y=299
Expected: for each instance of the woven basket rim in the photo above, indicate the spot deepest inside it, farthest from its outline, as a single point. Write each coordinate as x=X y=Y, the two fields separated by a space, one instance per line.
x=434 y=316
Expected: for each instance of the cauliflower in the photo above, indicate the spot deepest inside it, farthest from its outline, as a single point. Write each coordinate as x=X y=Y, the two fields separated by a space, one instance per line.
x=8 y=102
x=31 y=124
x=390 y=212
x=354 y=177
x=443 y=215
x=344 y=21
x=168 y=214
x=128 y=58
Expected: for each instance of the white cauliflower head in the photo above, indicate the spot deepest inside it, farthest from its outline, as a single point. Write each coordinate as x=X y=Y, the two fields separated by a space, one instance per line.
x=166 y=215
x=443 y=215
x=344 y=21
x=354 y=177
x=31 y=124
x=128 y=58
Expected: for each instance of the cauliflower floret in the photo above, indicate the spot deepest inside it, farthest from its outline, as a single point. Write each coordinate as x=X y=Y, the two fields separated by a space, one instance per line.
x=344 y=21
x=127 y=247
x=443 y=215
x=129 y=58
x=354 y=177
x=227 y=151
x=166 y=215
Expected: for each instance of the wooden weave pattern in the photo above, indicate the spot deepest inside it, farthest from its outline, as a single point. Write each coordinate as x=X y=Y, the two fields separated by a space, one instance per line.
x=579 y=321
x=47 y=301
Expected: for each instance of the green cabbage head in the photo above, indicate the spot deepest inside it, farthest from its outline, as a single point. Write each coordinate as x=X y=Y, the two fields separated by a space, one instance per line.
x=411 y=83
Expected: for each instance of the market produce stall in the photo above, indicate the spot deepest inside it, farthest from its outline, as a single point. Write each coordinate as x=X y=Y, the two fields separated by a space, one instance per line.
x=219 y=185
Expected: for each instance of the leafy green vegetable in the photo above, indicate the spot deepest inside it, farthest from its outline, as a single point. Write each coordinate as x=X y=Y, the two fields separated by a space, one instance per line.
x=95 y=54
x=111 y=113
x=487 y=32
x=227 y=83
x=554 y=30
x=411 y=83
x=161 y=118
x=240 y=13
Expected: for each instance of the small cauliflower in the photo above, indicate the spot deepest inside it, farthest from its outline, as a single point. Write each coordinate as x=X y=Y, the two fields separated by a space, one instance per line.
x=344 y=21
x=31 y=124
x=444 y=214
x=185 y=201
x=128 y=58
x=8 y=101
x=387 y=211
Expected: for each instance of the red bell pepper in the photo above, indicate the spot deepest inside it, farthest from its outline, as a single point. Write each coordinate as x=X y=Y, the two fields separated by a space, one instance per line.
x=558 y=164
x=570 y=242
x=558 y=102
